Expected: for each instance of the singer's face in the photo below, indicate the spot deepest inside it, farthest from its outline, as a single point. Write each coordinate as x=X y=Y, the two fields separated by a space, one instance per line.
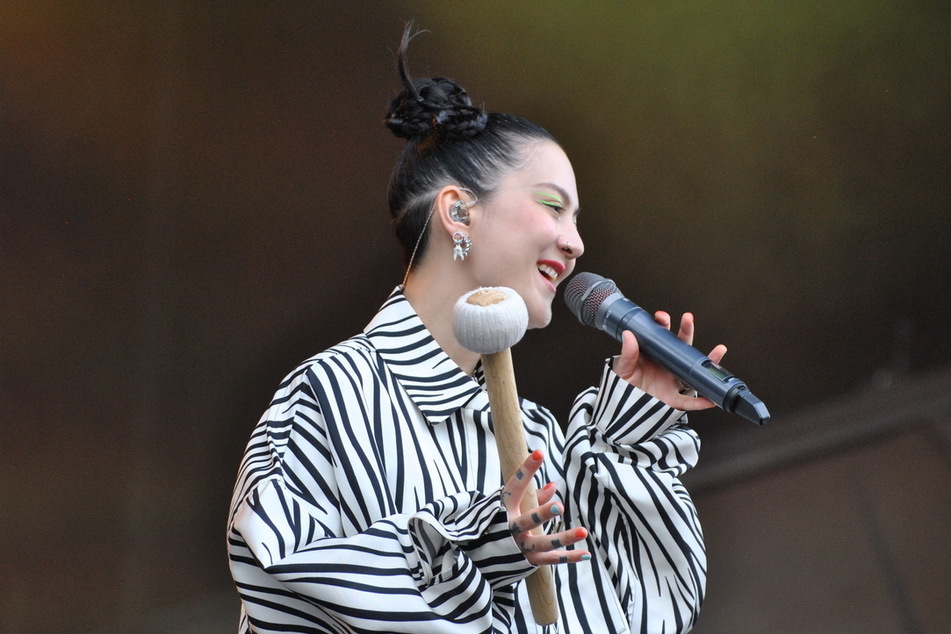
x=527 y=237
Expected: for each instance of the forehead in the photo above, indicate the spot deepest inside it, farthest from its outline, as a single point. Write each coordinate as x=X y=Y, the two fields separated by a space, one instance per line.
x=546 y=165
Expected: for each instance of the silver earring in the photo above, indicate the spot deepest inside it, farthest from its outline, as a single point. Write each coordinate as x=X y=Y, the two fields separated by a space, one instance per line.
x=463 y=245
x=459 y=212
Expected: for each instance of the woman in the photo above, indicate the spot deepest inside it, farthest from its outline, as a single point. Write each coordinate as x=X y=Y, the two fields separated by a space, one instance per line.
x=370 y=496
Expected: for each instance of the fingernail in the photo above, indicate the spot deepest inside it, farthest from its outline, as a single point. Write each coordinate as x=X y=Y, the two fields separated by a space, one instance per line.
x=585 y=557
x=537 y=454
x=555 y=509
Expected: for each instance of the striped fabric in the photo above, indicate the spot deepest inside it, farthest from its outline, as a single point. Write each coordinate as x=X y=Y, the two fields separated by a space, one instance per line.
x=368 y=500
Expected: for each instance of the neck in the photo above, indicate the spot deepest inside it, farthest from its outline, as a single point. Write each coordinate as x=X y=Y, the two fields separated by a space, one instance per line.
x=433 y=298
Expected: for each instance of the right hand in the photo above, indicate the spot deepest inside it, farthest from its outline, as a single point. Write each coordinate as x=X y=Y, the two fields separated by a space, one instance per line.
x=540 y=549
x=644 y=374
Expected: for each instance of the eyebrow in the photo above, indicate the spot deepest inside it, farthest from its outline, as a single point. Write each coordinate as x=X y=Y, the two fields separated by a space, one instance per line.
x=561 y=192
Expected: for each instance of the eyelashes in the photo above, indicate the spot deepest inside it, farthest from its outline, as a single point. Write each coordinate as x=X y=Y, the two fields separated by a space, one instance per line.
x=555 y=204
x=552 y=202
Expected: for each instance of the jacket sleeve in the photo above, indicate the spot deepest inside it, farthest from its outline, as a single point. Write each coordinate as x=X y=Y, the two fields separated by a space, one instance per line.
x=299 y=562
x=626 y=451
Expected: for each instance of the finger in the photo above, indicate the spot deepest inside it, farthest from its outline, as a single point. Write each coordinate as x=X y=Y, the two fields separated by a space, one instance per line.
x=535 y=518
x=552 y=549
x=687 y=328
x=716 y=355
x=531 y=543
x=688 y=403
x=662 y=318
x=626 y=363
x=556 y=557
x=560 y=540
x=546 y=493
x=516 y=486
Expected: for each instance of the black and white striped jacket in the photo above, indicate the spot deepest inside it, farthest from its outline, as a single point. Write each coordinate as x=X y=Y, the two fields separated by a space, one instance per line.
x=368 y=500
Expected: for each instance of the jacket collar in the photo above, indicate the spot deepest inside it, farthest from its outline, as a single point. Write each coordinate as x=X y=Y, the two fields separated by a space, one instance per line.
x=433 y=381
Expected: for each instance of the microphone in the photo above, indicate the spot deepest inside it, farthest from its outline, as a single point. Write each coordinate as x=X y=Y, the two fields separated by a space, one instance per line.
x=596 y=301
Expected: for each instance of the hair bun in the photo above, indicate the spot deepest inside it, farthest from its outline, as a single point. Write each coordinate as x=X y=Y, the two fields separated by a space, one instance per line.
x=429 y=105
x=437 y=104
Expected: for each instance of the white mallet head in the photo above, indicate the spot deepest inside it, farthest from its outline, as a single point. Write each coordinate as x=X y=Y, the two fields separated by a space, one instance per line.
x=489 y=320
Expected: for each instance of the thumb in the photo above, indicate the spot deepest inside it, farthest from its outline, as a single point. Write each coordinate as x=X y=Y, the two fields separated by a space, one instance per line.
x=626 y=363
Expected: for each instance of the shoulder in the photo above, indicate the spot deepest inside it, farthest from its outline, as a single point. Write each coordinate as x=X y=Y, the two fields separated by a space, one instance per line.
x=354 y=353
x=333 y=369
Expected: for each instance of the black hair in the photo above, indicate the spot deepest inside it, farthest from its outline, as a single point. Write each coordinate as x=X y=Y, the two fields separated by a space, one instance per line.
x=449 y=142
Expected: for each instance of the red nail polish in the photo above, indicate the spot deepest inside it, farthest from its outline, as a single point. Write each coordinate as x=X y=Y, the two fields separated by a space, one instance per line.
x=537 y=454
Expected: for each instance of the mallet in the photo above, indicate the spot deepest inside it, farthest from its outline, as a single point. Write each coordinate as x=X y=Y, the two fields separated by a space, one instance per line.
x=490 y=321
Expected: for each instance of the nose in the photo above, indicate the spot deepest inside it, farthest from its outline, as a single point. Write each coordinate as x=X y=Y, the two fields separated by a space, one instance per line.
x=572 y=244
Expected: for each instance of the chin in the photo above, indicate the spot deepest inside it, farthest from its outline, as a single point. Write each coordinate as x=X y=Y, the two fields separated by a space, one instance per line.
x=536 y=320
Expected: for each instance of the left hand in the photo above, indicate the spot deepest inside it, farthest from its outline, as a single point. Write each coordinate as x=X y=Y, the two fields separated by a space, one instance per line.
x=543 y=548
x=649 y=377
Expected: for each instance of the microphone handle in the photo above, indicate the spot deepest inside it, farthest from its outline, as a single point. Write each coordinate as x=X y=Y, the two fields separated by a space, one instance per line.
x=617 y=314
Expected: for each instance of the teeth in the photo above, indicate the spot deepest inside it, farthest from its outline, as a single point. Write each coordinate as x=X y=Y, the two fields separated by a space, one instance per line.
x=547 y=271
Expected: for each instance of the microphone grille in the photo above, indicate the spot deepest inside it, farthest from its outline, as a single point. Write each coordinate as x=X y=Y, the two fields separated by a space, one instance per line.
x=584 y=294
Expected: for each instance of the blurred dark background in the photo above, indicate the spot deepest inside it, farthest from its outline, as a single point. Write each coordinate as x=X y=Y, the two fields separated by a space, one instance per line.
x=192 y=200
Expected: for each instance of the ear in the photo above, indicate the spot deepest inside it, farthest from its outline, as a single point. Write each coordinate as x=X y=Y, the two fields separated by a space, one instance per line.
x=446 y=198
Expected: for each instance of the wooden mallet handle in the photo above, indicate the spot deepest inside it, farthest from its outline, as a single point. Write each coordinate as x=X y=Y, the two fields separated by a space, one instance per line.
x=484 y=324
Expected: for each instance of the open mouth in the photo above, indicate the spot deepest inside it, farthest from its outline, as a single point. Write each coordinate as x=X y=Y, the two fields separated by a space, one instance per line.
x=548 y=272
